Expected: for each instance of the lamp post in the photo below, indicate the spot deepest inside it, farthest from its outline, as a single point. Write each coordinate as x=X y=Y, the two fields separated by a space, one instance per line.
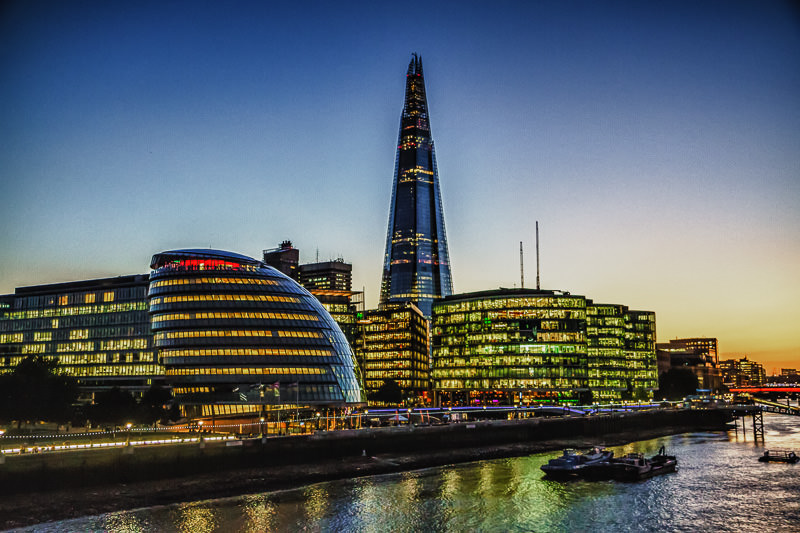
x=128 y=437
x=261 y=420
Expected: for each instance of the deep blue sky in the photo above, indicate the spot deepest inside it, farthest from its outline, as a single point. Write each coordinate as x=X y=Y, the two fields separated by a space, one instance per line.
x=657 y=145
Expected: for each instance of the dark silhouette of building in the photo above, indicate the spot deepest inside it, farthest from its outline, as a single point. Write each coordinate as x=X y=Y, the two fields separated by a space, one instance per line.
x=698 y=354
x=416 y=264
x=284 y=258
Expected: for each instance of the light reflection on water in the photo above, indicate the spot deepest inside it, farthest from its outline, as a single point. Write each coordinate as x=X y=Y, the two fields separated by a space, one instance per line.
x=720 y=486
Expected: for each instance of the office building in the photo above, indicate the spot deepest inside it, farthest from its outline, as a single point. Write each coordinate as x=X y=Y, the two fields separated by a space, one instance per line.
x=285 y=258
x=742 y=373
x=605 y=350
x=326 y=276
x=331 y=283
x=393 y=345
x=98 y=330
x=698 y=354
x=416 y=263
x=524 y=346
x=236 y=336
x=640 y=354
x=510 y=346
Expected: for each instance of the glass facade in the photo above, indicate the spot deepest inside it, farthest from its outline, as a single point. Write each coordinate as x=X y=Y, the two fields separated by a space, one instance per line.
x=608 y=367
x=98 y=330
x=393 y=344
x=416 y=263
x=236 y=335
x=640 y=353
x=509 y=347
x=518 y=346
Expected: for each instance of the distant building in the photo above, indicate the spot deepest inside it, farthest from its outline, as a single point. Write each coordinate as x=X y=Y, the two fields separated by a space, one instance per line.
x=331 y=283
x=236 y=336
x=742 y=373
x=98 y=330
x=416 y=265
x=789 y=375
x=284 y=258
x=326 y=276
x=698 y=354
x=393 y=345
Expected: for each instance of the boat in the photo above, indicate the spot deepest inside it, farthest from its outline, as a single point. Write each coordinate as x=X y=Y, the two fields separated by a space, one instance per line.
x=633 y=467
x=571 y=462
x=779 y=456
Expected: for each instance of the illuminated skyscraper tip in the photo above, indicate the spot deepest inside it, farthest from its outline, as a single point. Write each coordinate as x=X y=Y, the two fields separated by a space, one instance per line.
x=416 y=264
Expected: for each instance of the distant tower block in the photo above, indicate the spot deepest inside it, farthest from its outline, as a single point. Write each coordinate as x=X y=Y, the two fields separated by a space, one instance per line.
x=416 y=264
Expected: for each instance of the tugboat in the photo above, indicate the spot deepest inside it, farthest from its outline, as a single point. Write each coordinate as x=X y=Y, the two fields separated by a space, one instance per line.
x=779 y=456
x=572 y=462
x=633 y=467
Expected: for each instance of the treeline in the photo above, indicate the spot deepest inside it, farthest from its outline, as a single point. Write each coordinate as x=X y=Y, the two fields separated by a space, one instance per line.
x=37 y=391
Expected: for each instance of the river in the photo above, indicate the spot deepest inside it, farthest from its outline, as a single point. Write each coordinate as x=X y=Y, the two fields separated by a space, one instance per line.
x=719 y=486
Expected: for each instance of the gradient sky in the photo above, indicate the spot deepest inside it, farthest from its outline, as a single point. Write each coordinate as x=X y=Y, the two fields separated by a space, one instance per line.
x=658 y=146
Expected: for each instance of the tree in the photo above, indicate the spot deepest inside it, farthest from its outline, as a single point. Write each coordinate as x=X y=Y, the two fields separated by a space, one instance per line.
x=113 y=406
x=389 y=392
x=152 y=405
x=677 y=383
x=37 y=390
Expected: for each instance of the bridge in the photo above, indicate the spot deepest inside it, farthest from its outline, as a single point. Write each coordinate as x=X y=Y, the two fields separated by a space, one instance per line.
x=757 y=410
x=771 y=388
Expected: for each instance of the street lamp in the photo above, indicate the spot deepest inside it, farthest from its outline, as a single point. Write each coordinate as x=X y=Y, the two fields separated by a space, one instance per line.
x=261 y=420
x=128 y=438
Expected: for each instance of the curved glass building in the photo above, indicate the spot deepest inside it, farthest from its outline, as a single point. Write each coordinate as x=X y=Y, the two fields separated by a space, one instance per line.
x=235 y=336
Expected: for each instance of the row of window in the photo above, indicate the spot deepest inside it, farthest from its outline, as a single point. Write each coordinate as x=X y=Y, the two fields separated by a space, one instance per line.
x=566 y=385
x=509 y=372
x=137 y=318
x=237 y=352
x=113 y=344
x=77 y=310
x=236 y=333
x=235 y=315
x=82 y=297
x=517 y=361
x=158 y=300
x=212 y=280
x=260 y=371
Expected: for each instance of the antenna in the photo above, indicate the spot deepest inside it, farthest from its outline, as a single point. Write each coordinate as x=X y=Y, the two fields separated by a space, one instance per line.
x=521 y=269
x=537 y=256
x=317 y=261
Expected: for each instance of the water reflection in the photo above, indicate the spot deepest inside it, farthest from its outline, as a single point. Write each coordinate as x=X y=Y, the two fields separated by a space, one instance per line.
x=719 y=486
x=196 y=518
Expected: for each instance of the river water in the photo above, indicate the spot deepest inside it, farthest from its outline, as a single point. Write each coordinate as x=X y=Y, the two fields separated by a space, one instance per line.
x=719 y=486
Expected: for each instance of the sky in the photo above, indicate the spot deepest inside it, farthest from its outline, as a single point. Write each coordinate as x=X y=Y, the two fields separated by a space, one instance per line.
x=657 y=144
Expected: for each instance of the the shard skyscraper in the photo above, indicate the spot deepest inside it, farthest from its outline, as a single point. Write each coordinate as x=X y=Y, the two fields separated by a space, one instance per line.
x=416 y=265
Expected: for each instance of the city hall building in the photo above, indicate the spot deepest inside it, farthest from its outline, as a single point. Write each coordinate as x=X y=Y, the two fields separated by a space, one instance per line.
x=236 y=336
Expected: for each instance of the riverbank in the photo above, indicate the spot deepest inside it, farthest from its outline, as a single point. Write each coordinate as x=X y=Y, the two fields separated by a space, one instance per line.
x=347 y=455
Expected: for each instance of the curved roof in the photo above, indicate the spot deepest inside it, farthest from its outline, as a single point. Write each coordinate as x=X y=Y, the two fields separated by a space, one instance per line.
x=200 y=253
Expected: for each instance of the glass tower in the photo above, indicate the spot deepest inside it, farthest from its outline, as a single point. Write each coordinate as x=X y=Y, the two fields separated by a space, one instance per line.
x=416 y=264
